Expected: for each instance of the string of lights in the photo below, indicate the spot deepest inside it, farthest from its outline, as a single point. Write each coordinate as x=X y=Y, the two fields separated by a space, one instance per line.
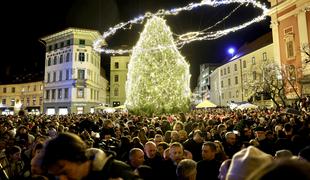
x=188 y=37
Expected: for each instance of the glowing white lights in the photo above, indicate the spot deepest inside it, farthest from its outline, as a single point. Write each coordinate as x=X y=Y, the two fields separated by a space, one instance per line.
x=158 y=81
x=189 y=36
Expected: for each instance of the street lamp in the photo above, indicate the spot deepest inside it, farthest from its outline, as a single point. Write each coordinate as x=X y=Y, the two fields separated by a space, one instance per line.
x=231 y=51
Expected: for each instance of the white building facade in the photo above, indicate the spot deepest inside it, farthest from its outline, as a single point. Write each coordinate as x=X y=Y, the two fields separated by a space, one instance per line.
x=72 y=80
x=203 y=83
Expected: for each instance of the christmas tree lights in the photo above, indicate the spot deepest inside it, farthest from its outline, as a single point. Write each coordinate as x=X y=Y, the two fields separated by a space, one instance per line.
x=158 y=79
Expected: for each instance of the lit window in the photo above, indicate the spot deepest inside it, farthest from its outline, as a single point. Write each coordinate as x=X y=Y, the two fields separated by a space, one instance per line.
x=80 y=93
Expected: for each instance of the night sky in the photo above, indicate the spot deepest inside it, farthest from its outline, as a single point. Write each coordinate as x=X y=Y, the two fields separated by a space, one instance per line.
x=25 y=22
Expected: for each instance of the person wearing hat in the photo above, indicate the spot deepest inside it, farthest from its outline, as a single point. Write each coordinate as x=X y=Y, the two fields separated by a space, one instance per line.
x=246 y=161
x=265 y=144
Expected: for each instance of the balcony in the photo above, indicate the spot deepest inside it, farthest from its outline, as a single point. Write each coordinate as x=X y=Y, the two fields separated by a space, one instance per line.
x=79 y=83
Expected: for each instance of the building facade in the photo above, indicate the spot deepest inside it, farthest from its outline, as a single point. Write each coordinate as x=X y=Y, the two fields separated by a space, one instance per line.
x=203 y=83
x=73 y=82
x=290 y=23
x=235 y=81
x=118 y=77
x=27 y=96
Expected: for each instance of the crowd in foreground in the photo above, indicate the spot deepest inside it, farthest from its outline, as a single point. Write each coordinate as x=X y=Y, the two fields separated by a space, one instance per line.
x=207 y=144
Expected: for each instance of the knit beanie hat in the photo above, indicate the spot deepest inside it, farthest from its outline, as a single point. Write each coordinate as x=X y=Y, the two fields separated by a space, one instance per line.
x=246 y=161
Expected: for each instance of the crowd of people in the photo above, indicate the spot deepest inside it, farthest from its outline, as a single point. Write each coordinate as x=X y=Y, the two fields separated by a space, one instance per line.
x=216 y=143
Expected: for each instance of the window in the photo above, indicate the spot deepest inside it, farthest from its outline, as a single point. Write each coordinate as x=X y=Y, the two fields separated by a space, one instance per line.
x=4 y=90
x=28 y=101
x=291 y=71
x=264 y=56
x=221 y=72
x=80 y=110
x=228 y=70
x=34 y=88
x=41 y=100
x=50 y=48
x=68 y=42
x=225 y=71
x=82 y=42
x=253 y=61
x=59 y=93
x=254 y=75
x=67 y=74
x=34 y=100
x=80 y=92
x=236 y=68
x=228 y=82
x=60 y=76
x=66 y=95
x=289 y=49
x=4 y=101
x=55 y=60
x=13 y=90
x=68 y=57
x=116 y=65
x=289 y=42
x=222 y=84
x=236 y=80
x=47 y=94
x=54 y=76
x=237 y=94
x=116 y=91
x=62 y=44
x=81 y=74
x=56 y=46
x=48 y=77
x=244 y=64
x=81 y=56
x=115 y=78
x=53 y=93
x=60 y=59
x=49 y=62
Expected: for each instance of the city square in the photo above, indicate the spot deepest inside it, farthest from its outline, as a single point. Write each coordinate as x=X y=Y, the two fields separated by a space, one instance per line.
x=158 y=90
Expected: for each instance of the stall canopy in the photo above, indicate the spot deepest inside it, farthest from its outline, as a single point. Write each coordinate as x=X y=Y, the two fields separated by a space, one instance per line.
x=205 y=104
x=247 y=106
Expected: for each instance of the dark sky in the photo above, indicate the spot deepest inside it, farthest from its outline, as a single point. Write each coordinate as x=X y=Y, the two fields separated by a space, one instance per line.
x=25 y=22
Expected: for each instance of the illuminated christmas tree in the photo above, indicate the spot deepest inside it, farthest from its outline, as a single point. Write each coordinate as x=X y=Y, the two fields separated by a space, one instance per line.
x=158 y=80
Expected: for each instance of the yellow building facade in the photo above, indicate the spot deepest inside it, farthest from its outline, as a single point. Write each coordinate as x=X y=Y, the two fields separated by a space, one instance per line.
x=27 y=96
x=118 y=77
